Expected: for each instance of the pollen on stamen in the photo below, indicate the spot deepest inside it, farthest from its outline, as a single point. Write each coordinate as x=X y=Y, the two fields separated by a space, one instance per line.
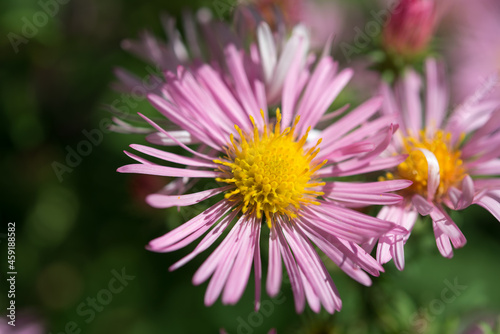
x=271 y=171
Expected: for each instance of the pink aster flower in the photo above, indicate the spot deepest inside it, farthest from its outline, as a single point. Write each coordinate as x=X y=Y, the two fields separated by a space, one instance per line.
x=271 y=169
x=276 y=51
x=452 y=159
x=203 y=37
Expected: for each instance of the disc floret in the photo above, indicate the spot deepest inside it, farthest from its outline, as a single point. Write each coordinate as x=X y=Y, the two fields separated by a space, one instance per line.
x=272 y=172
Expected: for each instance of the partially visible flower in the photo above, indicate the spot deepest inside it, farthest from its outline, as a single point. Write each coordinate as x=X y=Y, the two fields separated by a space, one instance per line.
x=453 y=162
x=272 y=169
x=410 y=27
x=203 y=41
x=323 y=19
x=289 y=11
x=274 y=51
x=483 y=324
x=25 y=323
x=476 y=52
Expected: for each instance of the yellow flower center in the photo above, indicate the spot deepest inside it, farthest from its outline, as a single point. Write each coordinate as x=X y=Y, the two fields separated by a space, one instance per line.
x=271 y=171
x=415 y=167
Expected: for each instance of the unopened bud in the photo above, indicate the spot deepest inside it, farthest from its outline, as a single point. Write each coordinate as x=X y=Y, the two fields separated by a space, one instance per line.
x=410 y=27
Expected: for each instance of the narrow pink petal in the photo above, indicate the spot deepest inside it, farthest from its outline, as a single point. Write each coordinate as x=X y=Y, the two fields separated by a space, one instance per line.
x=322 y=75
x=392 y=246
x=490 y=204
x=192 y=99
x=384 y=251
x=444 y=222
x=386 y=242
x=346 y=152
x=365 y=167
x=167 y=171
x=219 y=254
x=223 y=259
x=333 y=114
x=267 y=48
x=208 y=240
x=175 y=139
x=436 y=96
x=342 y=230
x=224 y=97
x=166 y=201
x=480 y=138
x=221 y=273
x=349 y=249
x=257 y=268
x=339 y=258
x=312 y=299
x=365 y=133
x=258 y=83
x=172 y=112
x=167 y=156
x=242 y=266
x=351 y=120
x=442 y=242
x=334 y=293
x=290 y=92
x=491 y=167
x=285 y=60
x=325 y=97
x=483 y=149
x=486 y=184
x=182 y=136
x=120 y=126
x=453 y=197
x=293 y=274
x=310 y=264
x=365 y=199
x=422 y=205
x=412 y=114
x=433 y=177
x=234 y=59
x=139 y=159
x=367 y=187
x=408 y=221
x=467 y=193
x=348 y=222
x=399 y=255
x=381 y=146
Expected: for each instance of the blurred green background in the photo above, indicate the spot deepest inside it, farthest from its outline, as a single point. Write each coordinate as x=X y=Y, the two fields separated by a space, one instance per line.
x=73 y=234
